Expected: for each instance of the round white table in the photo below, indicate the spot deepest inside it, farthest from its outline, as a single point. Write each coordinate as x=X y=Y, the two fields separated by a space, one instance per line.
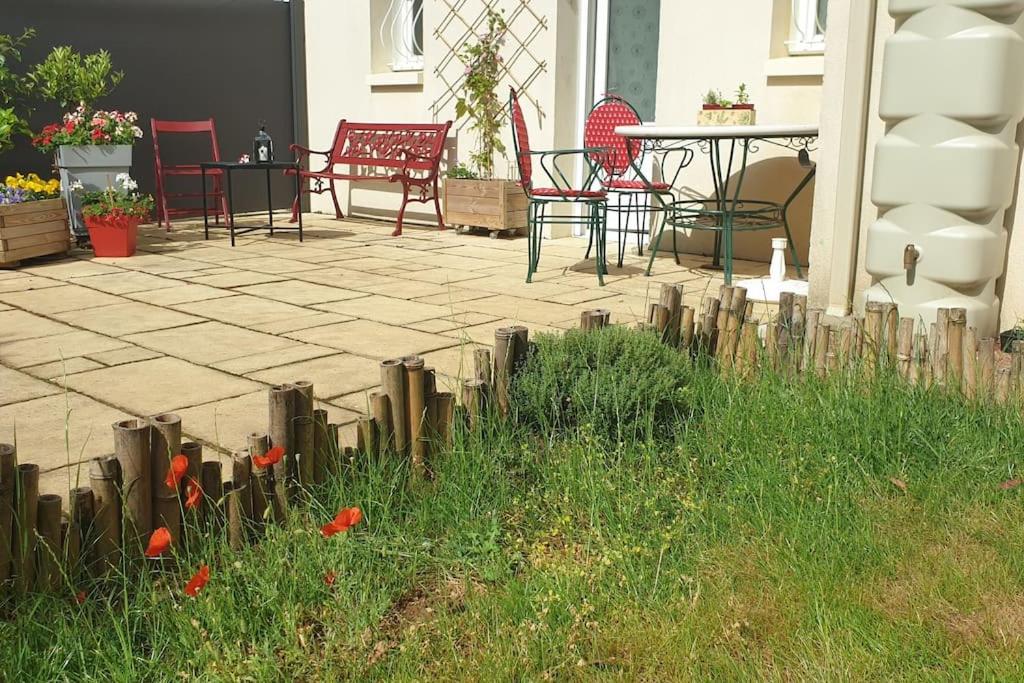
x=729 y=210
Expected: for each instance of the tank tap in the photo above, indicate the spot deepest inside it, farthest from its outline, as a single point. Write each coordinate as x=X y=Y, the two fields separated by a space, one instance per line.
x=911 y=254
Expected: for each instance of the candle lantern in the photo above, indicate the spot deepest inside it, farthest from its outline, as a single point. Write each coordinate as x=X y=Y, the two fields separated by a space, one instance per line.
x=262 y=145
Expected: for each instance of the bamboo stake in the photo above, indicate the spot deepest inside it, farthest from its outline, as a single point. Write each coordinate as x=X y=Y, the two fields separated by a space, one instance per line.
x=1002 y=384
x=392 y=379
x=302 y=428
x=445 y=416
x=846 y=343
x=970 y=362
x=521 y=348
x=193 y=452
x=416 y=409
x=890 y=330
x=939 y=359
x=213 y=488
x=783 y=327
x=49 y=551
x=71 y=548
x=810 y=339
x=429 y=381
x=1016 y=365
x=235 y=512
x=482 y=364
x=132 y=440
x=725 y=294
x=905 y=347
x=709 y=318
x=241 y=479
x=104 y=479
x=771 y=345
x=82 y=511
x=8 y=467
x=672 y=301
x=746 y=353
x=661 y=322
x=955 y=347
x=504 y=364
x=873 y=335
x=799 y=328
x=261 y=483
x=381 y=406
x=282 y=399
x=366 y=435
x=832 y=355
x=821 y=343
x=474 y=398
x=334 y=450
x=303 y=398
x=686 y=329
x=920 y=359
x=26 y=496
x=986 y=366
x=733 y=324
x=304 y=401
x=165 y=443
x=321 y=456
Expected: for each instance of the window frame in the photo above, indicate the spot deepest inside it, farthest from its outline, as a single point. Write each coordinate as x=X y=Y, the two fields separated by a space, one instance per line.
x=405 y=25
x=807 y=36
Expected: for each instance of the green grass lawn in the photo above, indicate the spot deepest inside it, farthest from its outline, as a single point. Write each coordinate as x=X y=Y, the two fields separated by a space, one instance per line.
x=639 y=519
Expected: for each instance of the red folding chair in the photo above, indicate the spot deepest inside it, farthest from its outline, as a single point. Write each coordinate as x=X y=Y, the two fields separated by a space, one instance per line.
x=218 y=204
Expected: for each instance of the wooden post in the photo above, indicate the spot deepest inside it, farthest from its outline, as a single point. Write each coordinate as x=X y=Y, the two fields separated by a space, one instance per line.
x=8 y=467
x=82 y=512
x=26 y=498
x=416 y=409
x=662 y=318
x=165 y=443
x=725 y=294
x=260 y=483
x=686 y=328
x=747 y=347
x=919 y=361
x=1002 y=385
x=241 y=479
x=822 y=337
x=132 y=440
x=380 y=404
x=709 y=321
x=890 y=330
x=970 y=362
x=321 y=454
x=49 y=551
x=905 y=347
x=504 y=366
x=672 y=300
x=445 y=413
x=799 y=328
x=846 y=334
x=302 y=428
x=482 y=364
x=104 y=479
x=939 y=359
x=213 y=488
x=810 y=339
x=474 y=399
x=235 y=512
x=783 y=327
x=771 y=345
x=366 y=435
x=955 y=347
x=874 y=333
x=733 y=324
x=986 y=367
x=833 y=354
x=392 y=380
x=282 y=410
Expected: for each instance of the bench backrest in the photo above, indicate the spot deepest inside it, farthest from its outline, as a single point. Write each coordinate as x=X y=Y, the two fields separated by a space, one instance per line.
x=384 y=144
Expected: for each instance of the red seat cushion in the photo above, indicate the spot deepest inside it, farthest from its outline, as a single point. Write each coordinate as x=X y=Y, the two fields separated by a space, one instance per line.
x=623 y=184
x=575 y=194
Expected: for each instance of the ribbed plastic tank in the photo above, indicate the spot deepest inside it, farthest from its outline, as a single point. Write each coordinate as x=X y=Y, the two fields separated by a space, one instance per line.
x=953 y=93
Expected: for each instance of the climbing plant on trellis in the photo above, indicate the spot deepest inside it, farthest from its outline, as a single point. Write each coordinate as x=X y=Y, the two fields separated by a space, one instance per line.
x=462 y=20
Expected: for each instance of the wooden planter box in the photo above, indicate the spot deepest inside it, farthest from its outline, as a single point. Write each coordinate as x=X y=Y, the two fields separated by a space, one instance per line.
x=498 y=206
x=33 y=229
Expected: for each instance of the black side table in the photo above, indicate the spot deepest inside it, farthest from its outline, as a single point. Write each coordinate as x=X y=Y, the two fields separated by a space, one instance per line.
x=227 y=167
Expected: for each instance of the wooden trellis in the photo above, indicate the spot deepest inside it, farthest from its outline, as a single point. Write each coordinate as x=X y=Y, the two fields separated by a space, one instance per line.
x=463 y=20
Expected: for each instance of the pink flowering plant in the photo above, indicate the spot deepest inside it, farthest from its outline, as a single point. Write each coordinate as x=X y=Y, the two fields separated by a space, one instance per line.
x=481 y=102
x=82 y=128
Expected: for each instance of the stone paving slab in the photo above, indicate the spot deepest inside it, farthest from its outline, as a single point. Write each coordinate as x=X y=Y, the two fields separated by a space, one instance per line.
x=243 y=310
x=58 y=369
x=208 y=343
x=373 y=339
x=385 y=309
x=126 y=283
x=181 y=294
x=16 y=325
x=301 y=293
x=159 y=385
x=59 y=299
x=125 y=354
x=261 y=360
x=124 y=319
x=331 y=375
x=52 y=349
x=18 y=386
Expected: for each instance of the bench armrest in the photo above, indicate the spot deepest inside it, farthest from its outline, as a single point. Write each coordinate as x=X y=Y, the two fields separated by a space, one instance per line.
x=304 y=152
x=410 y=155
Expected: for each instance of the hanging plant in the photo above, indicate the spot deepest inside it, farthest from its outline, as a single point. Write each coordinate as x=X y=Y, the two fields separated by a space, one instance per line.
x=481 y=103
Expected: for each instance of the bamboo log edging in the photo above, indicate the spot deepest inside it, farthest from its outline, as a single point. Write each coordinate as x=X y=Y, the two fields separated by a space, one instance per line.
x=409 y=410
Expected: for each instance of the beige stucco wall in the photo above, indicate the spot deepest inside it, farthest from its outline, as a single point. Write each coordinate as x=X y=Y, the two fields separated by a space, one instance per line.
x=342 y=51
x=718 y=46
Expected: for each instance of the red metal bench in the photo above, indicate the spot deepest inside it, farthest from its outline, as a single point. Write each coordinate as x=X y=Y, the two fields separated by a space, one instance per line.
x=407 y=153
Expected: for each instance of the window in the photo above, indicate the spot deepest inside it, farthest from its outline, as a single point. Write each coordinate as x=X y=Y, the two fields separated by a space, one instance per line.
x=401 y=33
x=808 y=33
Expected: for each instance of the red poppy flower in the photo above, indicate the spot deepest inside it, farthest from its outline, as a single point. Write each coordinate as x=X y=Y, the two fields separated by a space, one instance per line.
x=329 y=578
x=271 y=457
x=80 y=597
x=198 y=580
x=179 y=466
x=193 y=494
x=159 y=542
x=347 y=518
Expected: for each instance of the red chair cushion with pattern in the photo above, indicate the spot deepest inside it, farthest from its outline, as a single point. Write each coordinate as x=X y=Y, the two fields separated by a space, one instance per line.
x=576 y=194
x=623 y=184
x=599 y=131
x=522 y=140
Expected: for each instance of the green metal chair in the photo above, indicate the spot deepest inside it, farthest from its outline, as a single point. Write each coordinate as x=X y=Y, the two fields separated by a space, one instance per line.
x=560 y=191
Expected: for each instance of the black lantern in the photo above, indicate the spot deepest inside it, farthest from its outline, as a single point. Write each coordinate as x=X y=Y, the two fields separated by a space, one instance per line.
x=262 y=146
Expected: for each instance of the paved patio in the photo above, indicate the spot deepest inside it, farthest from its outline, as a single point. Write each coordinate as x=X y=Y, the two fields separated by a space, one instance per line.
x=202 y=329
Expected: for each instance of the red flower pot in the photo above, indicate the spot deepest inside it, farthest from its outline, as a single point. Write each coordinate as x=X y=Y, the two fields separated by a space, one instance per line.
x=113 y=236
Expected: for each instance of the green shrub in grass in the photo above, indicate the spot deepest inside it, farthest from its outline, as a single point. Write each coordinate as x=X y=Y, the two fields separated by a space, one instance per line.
x=617 y=384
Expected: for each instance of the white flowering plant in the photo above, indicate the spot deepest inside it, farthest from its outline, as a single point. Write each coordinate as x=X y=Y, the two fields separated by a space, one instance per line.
x=121 y=200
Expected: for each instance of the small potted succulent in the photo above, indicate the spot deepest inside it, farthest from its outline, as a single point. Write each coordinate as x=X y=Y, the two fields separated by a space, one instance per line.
x=718 y=111
x=112 y=216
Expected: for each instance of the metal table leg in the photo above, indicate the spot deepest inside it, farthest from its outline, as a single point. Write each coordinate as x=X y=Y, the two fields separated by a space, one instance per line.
x=231 y=207
x=298 y=190
x=206 y=216
x=270 y=205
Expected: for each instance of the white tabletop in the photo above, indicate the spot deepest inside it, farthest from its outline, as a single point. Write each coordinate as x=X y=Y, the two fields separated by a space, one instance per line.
x=669 y=132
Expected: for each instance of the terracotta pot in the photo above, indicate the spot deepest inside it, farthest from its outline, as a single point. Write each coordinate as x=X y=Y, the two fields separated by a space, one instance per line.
x=742 y=106
x=112 y=236
x=712 y=106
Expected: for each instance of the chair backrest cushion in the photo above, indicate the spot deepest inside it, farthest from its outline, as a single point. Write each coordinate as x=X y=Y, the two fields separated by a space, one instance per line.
x=521 y=138
x=599 y=131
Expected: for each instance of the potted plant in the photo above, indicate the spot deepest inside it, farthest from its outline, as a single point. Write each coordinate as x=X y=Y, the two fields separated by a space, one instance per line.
x=718 y=111
x=33 y=219
x=91 y=146
x=112 y=215
x=473 y=197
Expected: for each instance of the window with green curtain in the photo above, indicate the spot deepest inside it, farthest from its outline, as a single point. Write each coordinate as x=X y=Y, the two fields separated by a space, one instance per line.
x=633 y=28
